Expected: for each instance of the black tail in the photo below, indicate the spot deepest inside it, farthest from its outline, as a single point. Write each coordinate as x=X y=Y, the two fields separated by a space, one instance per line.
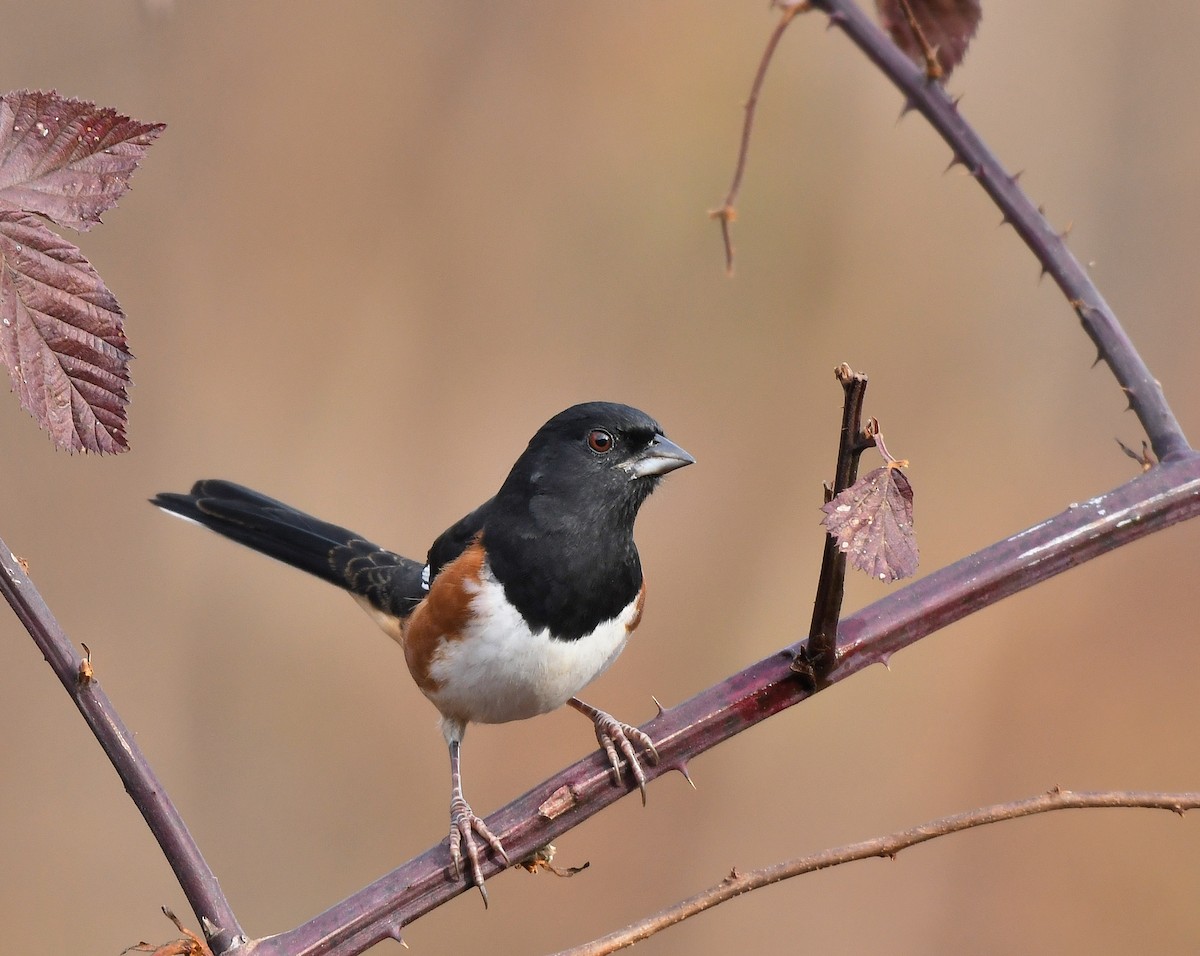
x=390 y=582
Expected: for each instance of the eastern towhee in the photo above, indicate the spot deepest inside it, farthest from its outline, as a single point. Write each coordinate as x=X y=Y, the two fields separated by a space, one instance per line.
x=518 y=606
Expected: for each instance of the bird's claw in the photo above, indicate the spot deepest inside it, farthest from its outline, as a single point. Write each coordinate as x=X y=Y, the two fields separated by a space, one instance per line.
x=615 y=736
x=464 y=824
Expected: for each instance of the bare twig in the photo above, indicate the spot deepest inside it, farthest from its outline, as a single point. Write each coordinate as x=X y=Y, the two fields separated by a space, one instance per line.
x=726 y=213
x=827 y=606
x=78 y=676
x=1143 y=391
x=738 y=883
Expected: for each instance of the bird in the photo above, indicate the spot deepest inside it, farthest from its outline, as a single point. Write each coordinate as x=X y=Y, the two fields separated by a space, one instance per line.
x=518 y=605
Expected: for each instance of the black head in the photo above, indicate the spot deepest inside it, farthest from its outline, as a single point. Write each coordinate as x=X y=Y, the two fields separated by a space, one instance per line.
x=595 y=461
x=559 y=534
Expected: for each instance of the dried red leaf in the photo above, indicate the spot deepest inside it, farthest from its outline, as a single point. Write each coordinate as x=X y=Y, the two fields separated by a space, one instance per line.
x=66 y=159
x=61 y=337
x=873 y=523
x=946 y=25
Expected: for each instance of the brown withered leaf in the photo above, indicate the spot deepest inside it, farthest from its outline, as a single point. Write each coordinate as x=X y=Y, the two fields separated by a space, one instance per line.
x=61 y=337
x=189 y=944
x=66 y=159
x=946 y=25
x=873 y=523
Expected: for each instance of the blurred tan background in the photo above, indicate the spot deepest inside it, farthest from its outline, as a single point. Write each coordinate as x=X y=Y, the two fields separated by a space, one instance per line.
x=381 y=242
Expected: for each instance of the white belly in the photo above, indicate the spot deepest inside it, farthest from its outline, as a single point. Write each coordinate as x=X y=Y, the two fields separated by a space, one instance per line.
x=501 y=670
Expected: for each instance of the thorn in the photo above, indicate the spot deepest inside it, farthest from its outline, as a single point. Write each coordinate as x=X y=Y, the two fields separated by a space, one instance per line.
x=836 y=18
x=1016 y=177
x=1041 y=210
x=955 y=160
x=955 y=100
x=1067 y=231
x=907 y=108
x=1098 y=359
x=686 y=776
x=1042 y=274
x=802 y=667
x=661 y=711
x=886 y=661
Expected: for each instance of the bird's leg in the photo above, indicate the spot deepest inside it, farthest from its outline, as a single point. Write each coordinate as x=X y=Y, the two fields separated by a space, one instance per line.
x=464 y=824
x=614 y=736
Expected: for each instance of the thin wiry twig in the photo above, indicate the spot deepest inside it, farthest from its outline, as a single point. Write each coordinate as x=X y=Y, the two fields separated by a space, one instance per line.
x=737 y=883
x=726 y=213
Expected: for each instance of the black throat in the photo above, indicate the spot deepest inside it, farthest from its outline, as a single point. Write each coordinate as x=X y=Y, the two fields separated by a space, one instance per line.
x=567 y=569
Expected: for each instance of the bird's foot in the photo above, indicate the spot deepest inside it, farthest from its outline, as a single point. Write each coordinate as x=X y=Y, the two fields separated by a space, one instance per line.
x=618 y=740
x=464 y=825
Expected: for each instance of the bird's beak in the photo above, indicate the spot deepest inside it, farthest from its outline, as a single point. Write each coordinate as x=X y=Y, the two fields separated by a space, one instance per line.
x=659 y=457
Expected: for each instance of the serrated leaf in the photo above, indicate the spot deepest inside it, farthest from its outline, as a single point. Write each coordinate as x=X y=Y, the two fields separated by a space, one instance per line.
x=66 y=159
x=61 y=337
x=947 y=26
x=873 y=523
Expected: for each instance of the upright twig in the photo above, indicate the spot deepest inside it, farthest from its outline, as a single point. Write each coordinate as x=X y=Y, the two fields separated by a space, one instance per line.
x=831 y=584
x=78 y=676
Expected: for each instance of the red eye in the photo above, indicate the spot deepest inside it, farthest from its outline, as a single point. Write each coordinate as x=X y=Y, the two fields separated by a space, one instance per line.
x=600 y=441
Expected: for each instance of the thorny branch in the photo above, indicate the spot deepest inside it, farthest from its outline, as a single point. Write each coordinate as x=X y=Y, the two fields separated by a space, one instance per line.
x=1114 y=346
x=78 y=676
